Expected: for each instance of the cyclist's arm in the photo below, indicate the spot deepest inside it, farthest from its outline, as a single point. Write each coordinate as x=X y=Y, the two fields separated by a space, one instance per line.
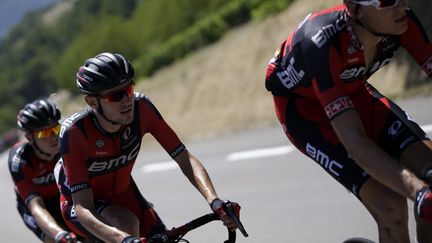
x=197 y=174
x=370 y=157
x=89 y=219
x=43 y=218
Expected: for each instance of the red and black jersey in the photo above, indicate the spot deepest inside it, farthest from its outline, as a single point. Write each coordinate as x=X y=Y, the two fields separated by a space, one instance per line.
x=31 y=175
x=322 y=60
x=93 y=158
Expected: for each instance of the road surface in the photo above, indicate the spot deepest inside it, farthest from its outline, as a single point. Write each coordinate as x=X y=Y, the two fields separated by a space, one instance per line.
x=285 y=196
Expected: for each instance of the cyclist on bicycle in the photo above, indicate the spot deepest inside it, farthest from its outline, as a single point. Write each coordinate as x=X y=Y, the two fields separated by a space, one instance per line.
x=31 y=165
x=330 y=112
x=99 y=146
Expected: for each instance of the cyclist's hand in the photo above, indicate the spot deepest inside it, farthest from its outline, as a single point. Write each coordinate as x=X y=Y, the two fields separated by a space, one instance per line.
x=65 y=237
x=134 y=239
x=423 y=204
x=217 y=206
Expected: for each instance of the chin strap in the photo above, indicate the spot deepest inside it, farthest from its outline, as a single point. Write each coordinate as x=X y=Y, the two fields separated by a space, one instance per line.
x=100 y=111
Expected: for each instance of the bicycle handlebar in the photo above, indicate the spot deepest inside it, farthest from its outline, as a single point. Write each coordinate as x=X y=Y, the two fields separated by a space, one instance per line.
x=175 y=234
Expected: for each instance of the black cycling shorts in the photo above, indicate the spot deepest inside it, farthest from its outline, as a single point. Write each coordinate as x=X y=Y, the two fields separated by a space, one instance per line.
x=308 y=128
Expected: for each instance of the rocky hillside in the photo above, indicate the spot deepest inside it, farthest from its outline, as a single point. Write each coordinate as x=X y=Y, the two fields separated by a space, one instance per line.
x=220 y=88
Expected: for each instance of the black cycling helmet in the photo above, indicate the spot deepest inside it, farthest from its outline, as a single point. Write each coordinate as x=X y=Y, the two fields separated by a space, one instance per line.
x=37 y=115
x=105 y=71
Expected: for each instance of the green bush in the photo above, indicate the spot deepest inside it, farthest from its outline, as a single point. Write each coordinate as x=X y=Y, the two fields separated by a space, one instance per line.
x=265 y=8
x=204 y=32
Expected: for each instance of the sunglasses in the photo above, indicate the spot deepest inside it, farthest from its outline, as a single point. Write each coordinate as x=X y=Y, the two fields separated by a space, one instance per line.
x=118 y=95
x=379 y=4
x=387 y=4
x=47 y=132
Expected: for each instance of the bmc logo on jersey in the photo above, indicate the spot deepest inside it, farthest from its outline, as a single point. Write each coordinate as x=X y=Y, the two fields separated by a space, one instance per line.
x=319 y=156
x=44 y=180
x=66 y=123
x=290 y=77
x=327 y=32
x=101 y=167
x=358 y=72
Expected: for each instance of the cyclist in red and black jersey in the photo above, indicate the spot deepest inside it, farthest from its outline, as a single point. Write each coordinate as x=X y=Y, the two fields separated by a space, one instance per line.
x=31 y=165
x=330 y=112
x=99 y=147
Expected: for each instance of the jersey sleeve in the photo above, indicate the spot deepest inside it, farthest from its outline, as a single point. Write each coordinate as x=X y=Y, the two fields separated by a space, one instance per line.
x=74 y=153
x=21 y=175
x=416 y=41
x=324 y=64
x=153 y=122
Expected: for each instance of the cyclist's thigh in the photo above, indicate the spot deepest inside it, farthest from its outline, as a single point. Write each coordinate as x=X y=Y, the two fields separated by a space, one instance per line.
x=150 y=222
x=308 y=128
x=386 y=123
x=29 y=220
x=393 y=129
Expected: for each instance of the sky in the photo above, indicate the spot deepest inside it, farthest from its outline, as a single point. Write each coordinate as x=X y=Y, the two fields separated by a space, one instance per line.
x=12 y=11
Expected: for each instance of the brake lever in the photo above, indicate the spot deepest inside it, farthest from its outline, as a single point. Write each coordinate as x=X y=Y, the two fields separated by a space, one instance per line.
x=228 y=208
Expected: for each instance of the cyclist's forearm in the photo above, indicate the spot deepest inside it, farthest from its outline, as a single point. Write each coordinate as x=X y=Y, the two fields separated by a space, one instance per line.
x=198 y=176
x=43 y=218
x=46 y=222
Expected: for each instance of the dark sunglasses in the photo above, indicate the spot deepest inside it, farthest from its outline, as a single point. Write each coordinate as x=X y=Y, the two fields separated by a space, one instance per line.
x=379 y=4
x=118 y=95
x=387 y=4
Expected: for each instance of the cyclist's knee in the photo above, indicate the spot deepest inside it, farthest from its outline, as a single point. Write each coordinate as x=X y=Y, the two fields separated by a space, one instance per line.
x=121 y=218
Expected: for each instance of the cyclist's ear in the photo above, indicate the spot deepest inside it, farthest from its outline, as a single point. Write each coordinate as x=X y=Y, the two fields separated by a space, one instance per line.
x=91 y=101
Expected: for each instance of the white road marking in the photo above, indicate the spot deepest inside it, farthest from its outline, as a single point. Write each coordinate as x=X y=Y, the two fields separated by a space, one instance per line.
x=160 y=166
x=241 y=155
x=259 y=153
x=427 y=128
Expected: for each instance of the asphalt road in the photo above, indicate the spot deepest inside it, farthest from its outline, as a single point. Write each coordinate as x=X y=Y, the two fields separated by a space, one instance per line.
x=285 y=196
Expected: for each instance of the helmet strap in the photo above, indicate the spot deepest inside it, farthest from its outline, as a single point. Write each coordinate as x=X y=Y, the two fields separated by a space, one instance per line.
x=101 y=112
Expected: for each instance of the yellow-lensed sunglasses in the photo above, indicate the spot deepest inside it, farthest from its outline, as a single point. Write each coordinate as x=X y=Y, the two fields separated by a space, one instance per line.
x=47 y=132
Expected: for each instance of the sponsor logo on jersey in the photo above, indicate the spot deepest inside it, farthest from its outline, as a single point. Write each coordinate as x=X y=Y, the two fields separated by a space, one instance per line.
x=327 y=32
x=354 y=73
x=79 y=187
x=44 y=180
x=126 y=133
x=393 y=130
x=324 y=160
x=337 y=106
x=407 y=142
x=100 y=143
x=290 y=77
x=427 y=67
x=112 y=164
x=67 y=122
x=177 y=151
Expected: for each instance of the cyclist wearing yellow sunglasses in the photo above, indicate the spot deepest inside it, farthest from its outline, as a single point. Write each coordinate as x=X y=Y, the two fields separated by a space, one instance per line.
x=31 y=165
